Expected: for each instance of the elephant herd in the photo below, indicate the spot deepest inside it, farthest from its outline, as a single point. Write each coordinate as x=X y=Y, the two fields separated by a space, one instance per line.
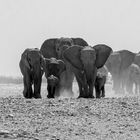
x=62 y=59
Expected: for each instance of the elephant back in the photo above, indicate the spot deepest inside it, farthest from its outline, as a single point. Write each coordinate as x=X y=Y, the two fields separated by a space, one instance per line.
x=48 y=48
x=79 y=41
x=127 y=58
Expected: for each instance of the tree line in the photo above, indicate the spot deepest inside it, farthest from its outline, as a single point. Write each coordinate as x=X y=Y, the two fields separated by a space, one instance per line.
x=14 y=80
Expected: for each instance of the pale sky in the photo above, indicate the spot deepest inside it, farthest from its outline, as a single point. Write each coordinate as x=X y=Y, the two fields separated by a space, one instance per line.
x=27 y=23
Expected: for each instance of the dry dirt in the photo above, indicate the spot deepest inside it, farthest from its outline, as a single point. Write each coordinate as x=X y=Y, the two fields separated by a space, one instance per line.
x=112 y=118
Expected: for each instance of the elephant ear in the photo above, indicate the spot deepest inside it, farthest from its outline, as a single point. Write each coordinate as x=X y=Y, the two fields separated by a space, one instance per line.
x=72 y=55
x=24 y=58
x=48 y=48
x=102 y=54
x=45 y=63
x=108 y=63
x=79 y=41
x=127 y=58
x=62 y=66
x=42 y=62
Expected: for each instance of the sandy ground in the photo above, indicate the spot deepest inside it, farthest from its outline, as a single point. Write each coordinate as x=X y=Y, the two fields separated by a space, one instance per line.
x=112 y=118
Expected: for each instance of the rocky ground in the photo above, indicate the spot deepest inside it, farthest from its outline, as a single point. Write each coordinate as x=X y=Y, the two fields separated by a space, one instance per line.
x=111 y=118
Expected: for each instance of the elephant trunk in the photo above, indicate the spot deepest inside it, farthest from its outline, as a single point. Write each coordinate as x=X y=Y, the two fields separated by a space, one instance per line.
x=36 y=70
x=89 y=72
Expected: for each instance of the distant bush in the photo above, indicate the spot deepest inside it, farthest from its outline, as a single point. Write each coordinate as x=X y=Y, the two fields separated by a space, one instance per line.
x=14 y=80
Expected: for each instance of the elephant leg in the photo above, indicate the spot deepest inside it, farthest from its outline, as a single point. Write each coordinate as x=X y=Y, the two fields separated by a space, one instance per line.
x=103 y=91
x=130 y=87
x=57 y=91
x=90 y=93
x=122 y=82
x=122 y=86
x=136 y=88
x=114 y=78
x=81 y=90
x=116 y=84
x=27 y=92
x=51 y=91
x=139 y=87
x=81 y=80
x=113 y=88
x=37 y=88
x=97 y=91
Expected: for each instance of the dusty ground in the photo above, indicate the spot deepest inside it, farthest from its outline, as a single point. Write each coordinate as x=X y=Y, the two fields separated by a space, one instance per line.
x=111 y=118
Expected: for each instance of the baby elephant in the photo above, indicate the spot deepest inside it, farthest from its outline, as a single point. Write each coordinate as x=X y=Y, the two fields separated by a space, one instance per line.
x=53 y=69
x=100 y=82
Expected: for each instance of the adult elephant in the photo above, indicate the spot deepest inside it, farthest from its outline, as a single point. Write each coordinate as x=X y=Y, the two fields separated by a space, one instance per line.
x=31 y=68
x=87 y=60
x=54 y=48
x=133 y=76
x=117 y=64
x=53 y=69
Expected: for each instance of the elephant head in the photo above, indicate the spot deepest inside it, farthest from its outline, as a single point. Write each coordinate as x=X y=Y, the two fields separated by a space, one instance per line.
x=60 y=43
x=114 y=63
x=53 y=69
x=32 y=60
x=88 y=59
x=31 y=66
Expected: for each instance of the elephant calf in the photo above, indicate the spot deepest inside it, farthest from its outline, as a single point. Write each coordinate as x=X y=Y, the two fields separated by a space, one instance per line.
x=100 y=82
x=53 y=69
x=32 y=71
